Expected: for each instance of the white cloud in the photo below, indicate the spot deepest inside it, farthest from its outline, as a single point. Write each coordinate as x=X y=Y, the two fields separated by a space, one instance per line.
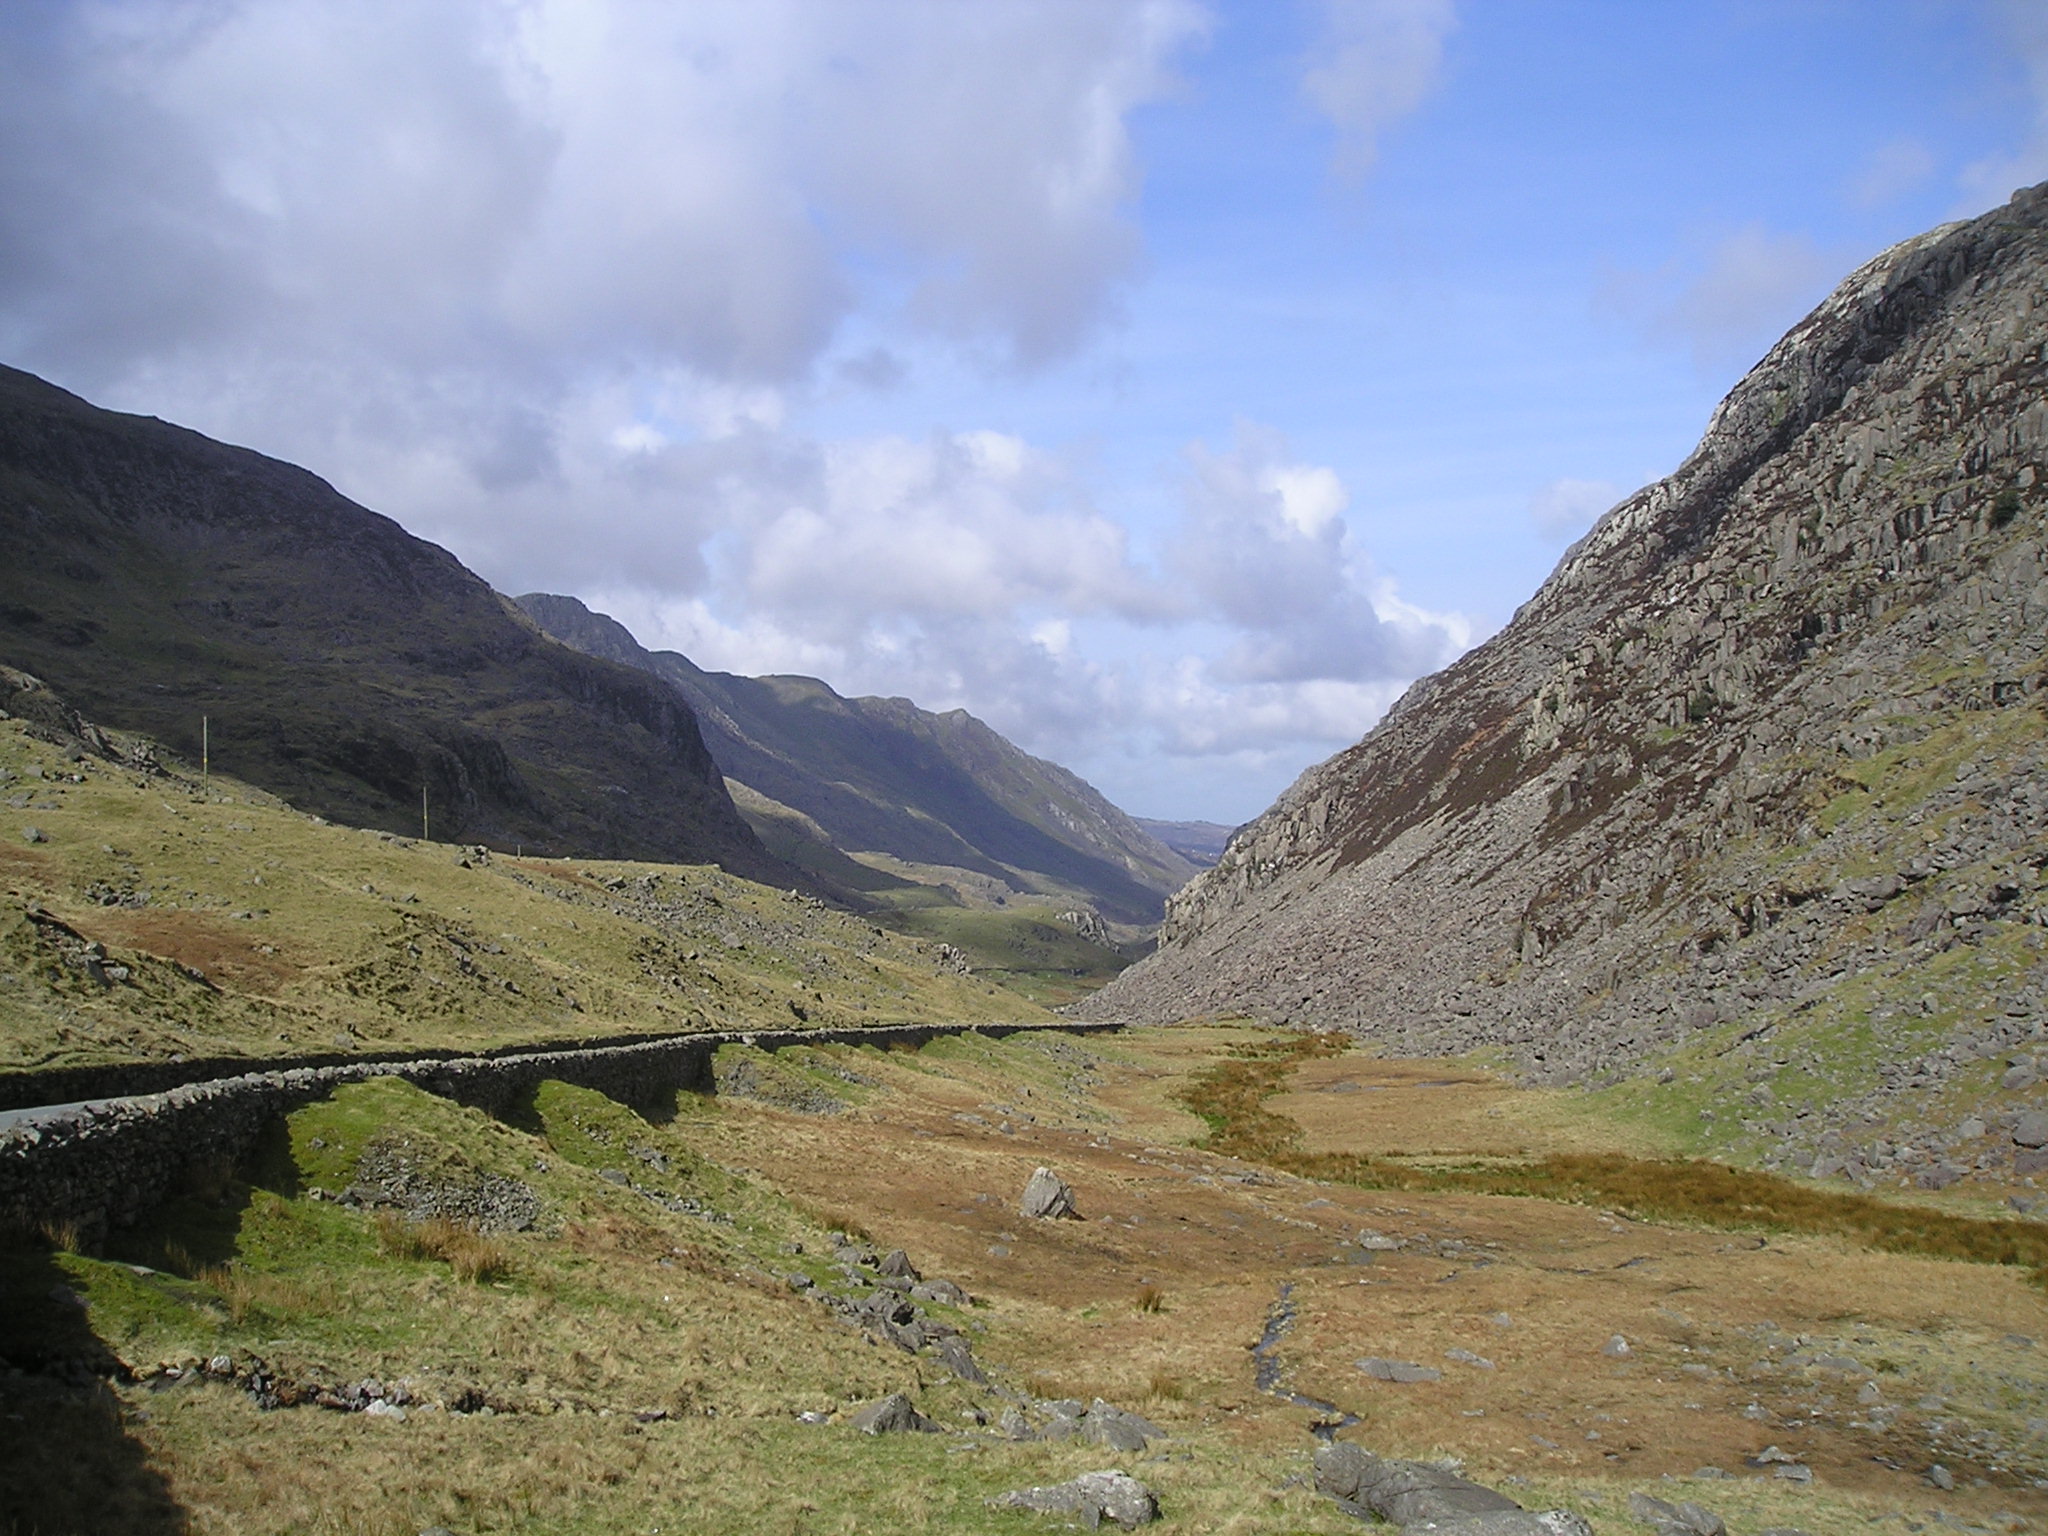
x=1728 y=304
x=1892 y=170
x=1566 y=508
x=1376 y=61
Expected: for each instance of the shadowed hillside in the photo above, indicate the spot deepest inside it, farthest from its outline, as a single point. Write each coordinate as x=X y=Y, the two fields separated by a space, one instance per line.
x=155 y=577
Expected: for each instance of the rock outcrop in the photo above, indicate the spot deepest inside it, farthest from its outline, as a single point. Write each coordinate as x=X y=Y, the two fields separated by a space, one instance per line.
x=1737 y=784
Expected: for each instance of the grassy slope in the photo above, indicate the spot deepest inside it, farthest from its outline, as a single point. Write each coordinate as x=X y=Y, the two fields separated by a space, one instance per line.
x=312 y=937
x=667 y=1294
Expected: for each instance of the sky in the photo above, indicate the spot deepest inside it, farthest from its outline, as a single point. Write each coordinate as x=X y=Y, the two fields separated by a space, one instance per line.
x=1167 y=382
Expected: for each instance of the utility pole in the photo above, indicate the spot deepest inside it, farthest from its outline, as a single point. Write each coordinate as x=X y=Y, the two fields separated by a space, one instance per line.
x=205 y=749
x=423 y=812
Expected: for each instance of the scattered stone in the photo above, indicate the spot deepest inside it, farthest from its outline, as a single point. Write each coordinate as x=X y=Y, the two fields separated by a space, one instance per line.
x=381 y=1409
x=1397 y=1370
x=1466 y=1357
x=1616 y=1348
x=892 y=1415
x=1117 y=1429
x=1941 y=1478
x=897 y=1265
x=1093 y=1496
x=2031 y=1129
x=1793 y=1472
x=945 y=1292
x=34 y=835
x=1680 y=1519
x=1048 y=1197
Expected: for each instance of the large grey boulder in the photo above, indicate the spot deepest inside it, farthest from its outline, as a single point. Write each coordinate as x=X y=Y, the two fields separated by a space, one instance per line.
x=892 y=1415
x=1422 y=1498
x=1048 y=1197
x=1093 y=1496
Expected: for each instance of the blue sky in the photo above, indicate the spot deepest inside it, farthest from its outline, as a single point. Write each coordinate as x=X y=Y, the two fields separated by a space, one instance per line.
x=1168 y=383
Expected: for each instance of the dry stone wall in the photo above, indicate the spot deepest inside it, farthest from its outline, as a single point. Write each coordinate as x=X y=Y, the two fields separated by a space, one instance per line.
x=106 y=1164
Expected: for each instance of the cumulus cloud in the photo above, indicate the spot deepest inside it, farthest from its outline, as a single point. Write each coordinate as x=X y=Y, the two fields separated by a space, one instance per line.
x=1264 y=547
x=557 y=282
x=1375 y=62
x=1566 y=507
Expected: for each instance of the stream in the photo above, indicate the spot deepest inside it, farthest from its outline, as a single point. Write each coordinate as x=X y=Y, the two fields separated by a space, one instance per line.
x=1266 y=1370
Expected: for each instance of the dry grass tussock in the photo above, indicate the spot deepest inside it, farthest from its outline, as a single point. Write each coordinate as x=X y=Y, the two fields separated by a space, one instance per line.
x=1231 y=1099
x=473 y=1257
x=1149 y=1299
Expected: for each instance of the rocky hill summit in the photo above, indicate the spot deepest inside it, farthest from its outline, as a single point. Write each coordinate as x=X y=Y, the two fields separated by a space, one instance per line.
x=881 y=776
x=240 y=608
x=1750 y=796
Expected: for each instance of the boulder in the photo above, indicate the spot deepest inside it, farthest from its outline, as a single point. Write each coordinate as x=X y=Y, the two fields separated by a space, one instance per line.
x=893 y=1415
x=1048 y=1197
x=2031 y=1129
x=897 y=1266
x=1116 y=1429
x=959 y=1359
x=1405 y=1492
x=1093 y=1496
x=1680 y=1519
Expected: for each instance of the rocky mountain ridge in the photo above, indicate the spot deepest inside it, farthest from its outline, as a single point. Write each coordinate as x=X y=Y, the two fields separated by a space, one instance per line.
x=882 y=776
x=1750 y=796
x=169 y=584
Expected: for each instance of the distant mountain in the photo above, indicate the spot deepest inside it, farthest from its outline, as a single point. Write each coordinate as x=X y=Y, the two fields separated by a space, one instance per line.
x=1751 y=798
x=155 y=577
x=1199 y=842
x=883 y=777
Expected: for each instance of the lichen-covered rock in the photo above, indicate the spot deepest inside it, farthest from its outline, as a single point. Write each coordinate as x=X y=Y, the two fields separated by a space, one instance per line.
x=1093 y=1496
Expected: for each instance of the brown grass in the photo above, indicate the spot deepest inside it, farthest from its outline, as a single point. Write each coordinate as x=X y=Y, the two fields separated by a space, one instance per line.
x=1231 y=1099
x=1149 y=1299
x=473 y=1257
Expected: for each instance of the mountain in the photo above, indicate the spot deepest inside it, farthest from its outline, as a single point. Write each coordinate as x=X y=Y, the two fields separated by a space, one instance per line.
x=158 y=579
x=938 y=792
x=1752 y=795
x=1200 y=842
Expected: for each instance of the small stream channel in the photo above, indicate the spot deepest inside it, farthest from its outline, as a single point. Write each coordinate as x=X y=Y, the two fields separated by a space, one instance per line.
x=1266 y=1370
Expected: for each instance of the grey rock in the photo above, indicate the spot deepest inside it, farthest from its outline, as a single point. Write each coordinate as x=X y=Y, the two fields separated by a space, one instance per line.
x=1398 y=1370
x=1466 y=1357
x=1093 y=1496
x=892 y=1415
x=2030 y=1129
x=944 y=1292
x=1406 y=1492
x=1048 y=1197
x=34 y=835
x=1114 y=1428
x=954 y=1353
x=897 y=1266
x=1616 y=1348
x=1941 y=1478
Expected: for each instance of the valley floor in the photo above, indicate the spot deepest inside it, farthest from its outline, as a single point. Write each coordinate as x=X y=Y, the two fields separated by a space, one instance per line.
x=646 y=1347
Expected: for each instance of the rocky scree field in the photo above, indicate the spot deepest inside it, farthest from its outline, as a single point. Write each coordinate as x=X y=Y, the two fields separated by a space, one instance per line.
x=1745 y=815
x=402 y=1314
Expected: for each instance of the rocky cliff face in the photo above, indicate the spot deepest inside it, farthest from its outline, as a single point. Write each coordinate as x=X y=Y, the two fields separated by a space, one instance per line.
x=883 y=776
x=155 y=577
x=1752 y=790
